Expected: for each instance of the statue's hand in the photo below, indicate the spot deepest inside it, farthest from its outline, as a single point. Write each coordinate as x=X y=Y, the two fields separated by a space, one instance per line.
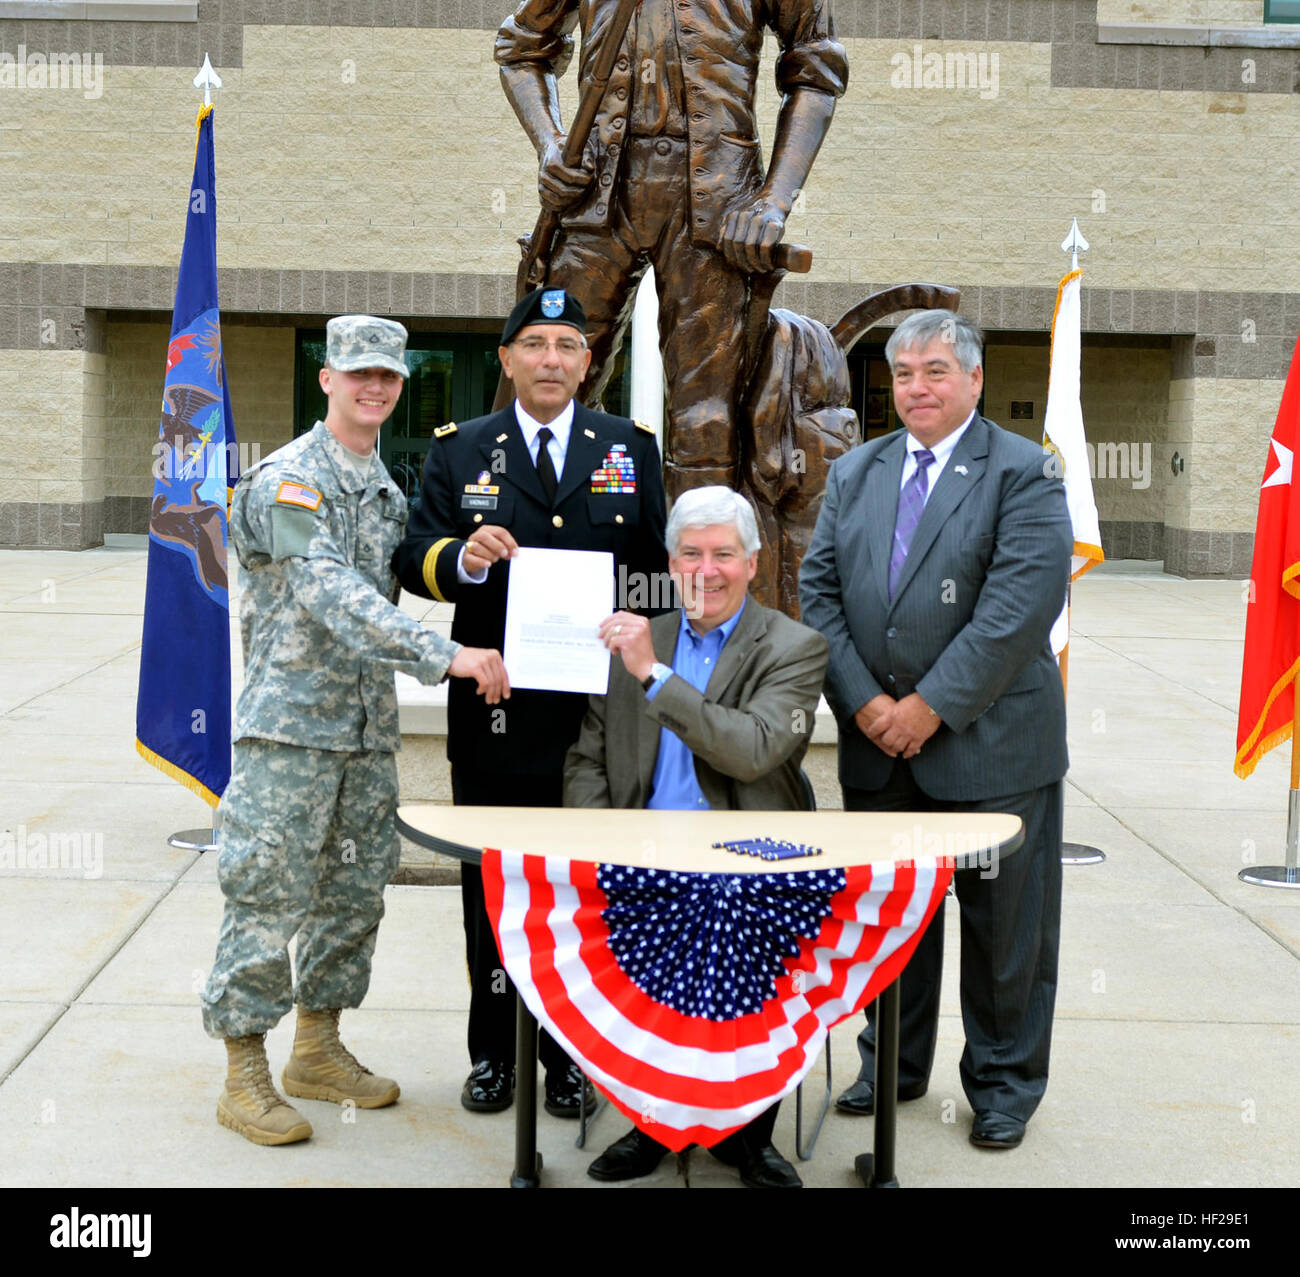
x=750 y=234
x=557 y=183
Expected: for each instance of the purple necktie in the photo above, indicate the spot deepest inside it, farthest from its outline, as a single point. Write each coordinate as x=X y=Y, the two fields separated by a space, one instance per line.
x=911 y=505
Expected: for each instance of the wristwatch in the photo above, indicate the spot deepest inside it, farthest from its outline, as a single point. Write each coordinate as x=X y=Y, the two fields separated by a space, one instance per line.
x=657 y=671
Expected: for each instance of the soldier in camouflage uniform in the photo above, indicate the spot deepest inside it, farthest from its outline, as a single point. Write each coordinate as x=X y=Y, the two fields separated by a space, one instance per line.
x=308 y=836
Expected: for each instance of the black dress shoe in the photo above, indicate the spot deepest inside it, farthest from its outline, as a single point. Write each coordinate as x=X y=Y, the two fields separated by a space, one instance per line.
x=567 y=1090
x=635 y=1155
x=766 y=1168
x=860 y=1098
x=490 y=1087
x=997 y=1130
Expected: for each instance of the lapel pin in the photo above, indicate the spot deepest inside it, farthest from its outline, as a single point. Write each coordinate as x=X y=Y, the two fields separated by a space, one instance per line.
x=502 y=438
x=591 y=434
x=960 y=469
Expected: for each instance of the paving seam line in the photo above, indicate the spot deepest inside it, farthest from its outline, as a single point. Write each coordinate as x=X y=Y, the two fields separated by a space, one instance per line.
x=90 y=979
x=1204 y=886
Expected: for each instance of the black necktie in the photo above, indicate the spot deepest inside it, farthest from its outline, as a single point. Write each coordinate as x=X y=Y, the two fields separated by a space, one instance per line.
x=545 y=467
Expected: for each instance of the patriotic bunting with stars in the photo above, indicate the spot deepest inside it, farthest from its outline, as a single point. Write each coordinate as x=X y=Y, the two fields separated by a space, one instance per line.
x=696 y=1001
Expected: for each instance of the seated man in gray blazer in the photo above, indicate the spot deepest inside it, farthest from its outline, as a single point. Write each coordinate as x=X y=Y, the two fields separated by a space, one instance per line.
x=937 y=566
x=710 y=707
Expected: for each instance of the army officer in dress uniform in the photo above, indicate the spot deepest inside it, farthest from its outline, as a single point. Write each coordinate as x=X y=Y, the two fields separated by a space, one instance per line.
x=543 y=472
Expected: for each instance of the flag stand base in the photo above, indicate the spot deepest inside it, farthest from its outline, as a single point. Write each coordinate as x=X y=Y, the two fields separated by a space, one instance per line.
x=1079 y=853
x=194 y=840
x=1271 y=876
x=1287 y=875
x=865 y=1166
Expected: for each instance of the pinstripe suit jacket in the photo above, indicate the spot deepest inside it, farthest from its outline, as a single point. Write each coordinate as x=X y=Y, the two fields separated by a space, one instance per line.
x=968 y=627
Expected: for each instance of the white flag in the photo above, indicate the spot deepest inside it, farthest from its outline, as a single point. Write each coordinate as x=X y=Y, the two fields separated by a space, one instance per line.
x=1063 y=435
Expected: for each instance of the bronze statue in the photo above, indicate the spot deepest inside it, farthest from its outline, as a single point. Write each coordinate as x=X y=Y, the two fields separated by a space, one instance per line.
x=662 y=166
x=798 y=420
x=672 y=175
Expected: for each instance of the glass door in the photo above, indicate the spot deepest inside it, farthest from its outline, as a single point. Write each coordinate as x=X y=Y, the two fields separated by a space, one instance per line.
x=428 y=402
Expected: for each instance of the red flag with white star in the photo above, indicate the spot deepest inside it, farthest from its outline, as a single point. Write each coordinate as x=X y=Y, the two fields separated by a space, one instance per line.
x=1272 y=656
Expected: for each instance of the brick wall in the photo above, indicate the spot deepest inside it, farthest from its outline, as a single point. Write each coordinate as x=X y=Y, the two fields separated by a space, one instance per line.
x=375 y=164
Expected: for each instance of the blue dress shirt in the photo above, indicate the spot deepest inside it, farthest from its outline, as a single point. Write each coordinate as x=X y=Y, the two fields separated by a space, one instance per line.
x=674 y=787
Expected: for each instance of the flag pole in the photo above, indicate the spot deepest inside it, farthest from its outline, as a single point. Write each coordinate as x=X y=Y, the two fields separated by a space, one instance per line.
x=1073 y=853
x=1287 y=875
x=204 y=838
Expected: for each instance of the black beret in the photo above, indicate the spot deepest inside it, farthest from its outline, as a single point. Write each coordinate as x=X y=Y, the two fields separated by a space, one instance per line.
x=545 y=306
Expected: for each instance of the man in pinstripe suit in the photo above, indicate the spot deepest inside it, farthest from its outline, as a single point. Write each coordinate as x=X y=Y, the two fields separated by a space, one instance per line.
x=937 y=567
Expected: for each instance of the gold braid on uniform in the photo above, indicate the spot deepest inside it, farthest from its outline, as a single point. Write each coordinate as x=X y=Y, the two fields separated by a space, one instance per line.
x=430 y=568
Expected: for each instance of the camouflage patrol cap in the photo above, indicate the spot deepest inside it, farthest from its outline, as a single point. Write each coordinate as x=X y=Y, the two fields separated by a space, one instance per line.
x=364 y=341
x=545 y=306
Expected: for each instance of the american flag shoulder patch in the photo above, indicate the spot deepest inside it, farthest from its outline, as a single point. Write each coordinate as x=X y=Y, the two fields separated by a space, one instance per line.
x=299 y=494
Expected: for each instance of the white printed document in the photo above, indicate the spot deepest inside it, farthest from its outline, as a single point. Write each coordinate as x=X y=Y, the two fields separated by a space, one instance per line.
x=555 y=602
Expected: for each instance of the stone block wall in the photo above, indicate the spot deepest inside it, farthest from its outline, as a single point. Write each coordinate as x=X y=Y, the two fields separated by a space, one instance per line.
x=367 y=159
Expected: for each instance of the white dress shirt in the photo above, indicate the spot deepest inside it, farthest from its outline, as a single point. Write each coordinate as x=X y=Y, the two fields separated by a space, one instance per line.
x=941 y=450
x=557 y=446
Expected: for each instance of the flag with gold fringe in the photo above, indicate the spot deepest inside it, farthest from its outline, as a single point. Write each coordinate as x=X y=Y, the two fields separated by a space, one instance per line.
x=1272 y=655
x=183 y=705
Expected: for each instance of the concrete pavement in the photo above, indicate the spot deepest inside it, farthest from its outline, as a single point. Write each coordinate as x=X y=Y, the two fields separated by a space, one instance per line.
x=1178 y=1012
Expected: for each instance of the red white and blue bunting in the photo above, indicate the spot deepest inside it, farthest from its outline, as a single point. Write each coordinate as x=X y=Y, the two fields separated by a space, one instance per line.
x=696 y=1001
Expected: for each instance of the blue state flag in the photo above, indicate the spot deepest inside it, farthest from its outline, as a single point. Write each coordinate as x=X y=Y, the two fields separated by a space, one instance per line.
x=183 y=706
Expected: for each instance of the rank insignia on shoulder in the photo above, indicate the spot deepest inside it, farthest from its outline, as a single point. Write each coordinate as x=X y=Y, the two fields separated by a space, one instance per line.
x=299 y=494
x=441 y=432
x=641 y=425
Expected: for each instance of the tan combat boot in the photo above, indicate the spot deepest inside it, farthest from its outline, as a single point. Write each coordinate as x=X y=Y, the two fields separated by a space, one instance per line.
x=322 y=1068
x=250 y=1104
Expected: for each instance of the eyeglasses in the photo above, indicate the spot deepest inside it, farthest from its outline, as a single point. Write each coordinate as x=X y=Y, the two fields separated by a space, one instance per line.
x=932 y=373
x=566 y=347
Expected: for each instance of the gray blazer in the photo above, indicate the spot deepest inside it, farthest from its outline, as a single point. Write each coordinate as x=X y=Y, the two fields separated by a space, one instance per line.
x=748 y=731
x=968 y=628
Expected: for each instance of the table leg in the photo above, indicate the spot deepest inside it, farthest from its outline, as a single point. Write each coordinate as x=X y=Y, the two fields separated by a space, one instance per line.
x=528 y=1161
x=877 y=1169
